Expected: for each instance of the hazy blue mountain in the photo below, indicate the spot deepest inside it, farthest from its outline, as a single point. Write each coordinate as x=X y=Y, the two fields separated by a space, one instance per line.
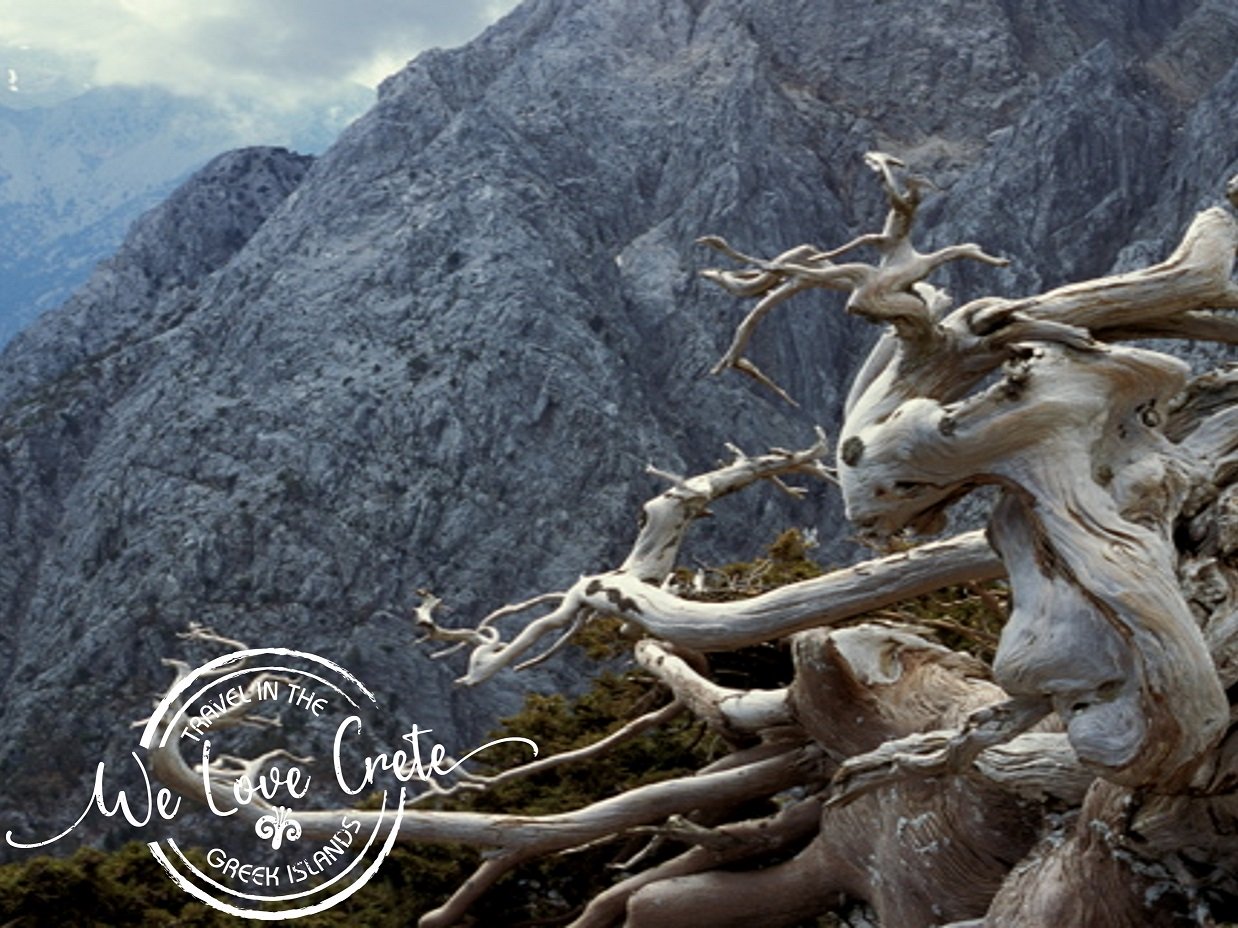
x=78 y=165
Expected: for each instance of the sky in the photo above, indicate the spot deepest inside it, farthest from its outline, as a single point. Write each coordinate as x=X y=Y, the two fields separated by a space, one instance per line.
x=286 y=53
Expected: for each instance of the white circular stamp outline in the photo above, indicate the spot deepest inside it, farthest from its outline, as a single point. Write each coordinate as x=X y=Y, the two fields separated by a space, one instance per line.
x=151 y=732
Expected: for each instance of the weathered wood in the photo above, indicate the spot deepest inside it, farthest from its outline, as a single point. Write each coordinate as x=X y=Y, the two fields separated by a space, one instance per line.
x=723 y=626
x=901 y=847
x=1089 y=777
x=1091 y=491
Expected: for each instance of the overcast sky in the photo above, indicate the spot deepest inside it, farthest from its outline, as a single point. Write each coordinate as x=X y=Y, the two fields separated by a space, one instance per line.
x=285 y=52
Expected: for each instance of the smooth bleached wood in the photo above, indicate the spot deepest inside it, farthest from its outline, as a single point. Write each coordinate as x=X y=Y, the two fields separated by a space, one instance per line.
x=1088 y=776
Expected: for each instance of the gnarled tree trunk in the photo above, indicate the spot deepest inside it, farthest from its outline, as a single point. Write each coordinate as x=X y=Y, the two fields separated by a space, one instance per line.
x=1089 y=776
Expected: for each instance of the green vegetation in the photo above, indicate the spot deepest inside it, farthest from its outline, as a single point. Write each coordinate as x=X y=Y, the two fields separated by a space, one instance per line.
x=129 y=888
x=126 y=887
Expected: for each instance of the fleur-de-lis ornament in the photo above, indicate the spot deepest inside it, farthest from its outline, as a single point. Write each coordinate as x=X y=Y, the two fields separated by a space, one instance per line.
x=277 y=827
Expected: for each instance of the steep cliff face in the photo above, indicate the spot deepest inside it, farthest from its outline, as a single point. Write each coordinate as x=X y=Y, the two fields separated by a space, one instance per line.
x=446 y=356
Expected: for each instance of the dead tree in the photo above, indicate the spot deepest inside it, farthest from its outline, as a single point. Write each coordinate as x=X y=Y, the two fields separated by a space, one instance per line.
x=1089 y=776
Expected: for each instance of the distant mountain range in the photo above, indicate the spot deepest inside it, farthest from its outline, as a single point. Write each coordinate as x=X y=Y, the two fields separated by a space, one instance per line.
x=78 y=165
x=442 y=354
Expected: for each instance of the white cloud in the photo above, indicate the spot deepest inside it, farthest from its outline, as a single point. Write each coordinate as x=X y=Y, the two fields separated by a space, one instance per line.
x=281 y=52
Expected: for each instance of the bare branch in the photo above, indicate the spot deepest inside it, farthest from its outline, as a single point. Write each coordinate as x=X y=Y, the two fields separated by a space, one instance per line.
x=726 y=845
x=627 y=732
x=731 y=711
x=821 y=601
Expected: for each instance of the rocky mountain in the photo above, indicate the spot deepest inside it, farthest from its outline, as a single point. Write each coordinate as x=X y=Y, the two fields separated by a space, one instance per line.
x=444 y=355
x=79 y=165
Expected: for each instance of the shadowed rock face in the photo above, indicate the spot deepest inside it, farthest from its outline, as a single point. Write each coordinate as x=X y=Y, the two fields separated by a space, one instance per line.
x=442 y=355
